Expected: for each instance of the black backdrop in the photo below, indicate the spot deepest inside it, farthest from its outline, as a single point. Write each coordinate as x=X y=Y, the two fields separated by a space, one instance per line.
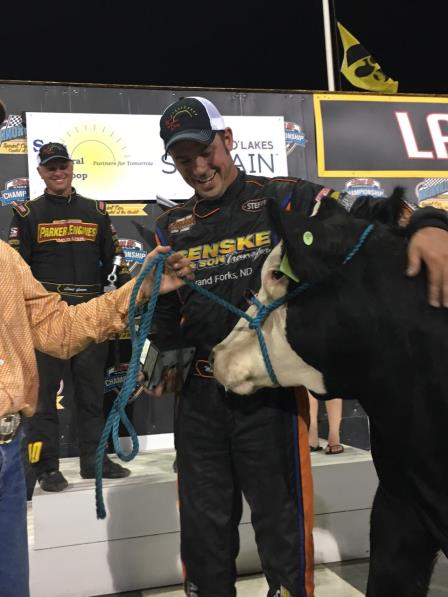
x=311 y=123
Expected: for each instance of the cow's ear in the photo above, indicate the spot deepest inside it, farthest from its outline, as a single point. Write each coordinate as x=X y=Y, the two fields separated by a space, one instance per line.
x=316 y=244
x=328 y=207
x=390 y=208
x=387 y=210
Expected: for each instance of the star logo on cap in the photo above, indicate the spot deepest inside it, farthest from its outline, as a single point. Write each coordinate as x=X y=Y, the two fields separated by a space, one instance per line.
x=171 y=123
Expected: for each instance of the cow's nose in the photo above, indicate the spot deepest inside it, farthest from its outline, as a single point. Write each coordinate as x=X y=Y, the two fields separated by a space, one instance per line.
x=211 y=358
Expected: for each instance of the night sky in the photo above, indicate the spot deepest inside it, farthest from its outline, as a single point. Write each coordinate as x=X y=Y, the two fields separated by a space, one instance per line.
x=230 y=45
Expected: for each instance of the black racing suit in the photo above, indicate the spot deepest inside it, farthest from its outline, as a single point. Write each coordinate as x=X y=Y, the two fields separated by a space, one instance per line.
x=70 y=245
x=228 y=444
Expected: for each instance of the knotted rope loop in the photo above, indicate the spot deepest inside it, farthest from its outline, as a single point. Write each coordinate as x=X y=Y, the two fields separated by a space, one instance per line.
x=139 y=333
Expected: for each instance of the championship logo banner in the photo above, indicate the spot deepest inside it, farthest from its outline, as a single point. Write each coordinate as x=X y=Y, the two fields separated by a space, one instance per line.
x=13 y=135
x=360 y=136
x=134 y=253
x=120 y=157
x=115 y=378
x=15 y=191
x=433 y=192
x=294 y=137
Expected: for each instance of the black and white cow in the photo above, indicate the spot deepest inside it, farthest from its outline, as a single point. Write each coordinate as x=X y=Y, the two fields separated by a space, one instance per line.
x=363 y=330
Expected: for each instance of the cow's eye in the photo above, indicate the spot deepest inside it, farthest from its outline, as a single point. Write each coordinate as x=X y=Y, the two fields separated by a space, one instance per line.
x=277 y=274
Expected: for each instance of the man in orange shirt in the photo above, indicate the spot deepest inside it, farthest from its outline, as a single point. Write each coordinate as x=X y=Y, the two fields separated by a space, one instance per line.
x=33 y=318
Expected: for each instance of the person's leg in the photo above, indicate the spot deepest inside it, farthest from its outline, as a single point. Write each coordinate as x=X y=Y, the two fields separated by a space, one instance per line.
x=210 y=501
x=88 y=385
x=334 y=412
x=402 y=551
x=14 y=570
x=30 y=473
x=272 y=458
x=313 y=432
x=88 y=382
x=42 y=429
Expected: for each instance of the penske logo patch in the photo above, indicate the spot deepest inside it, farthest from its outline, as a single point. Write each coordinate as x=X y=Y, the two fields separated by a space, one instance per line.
x=64 y=231
x=230 y=250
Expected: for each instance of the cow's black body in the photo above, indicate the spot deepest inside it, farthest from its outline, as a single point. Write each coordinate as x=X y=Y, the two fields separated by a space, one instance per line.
x=369 y=329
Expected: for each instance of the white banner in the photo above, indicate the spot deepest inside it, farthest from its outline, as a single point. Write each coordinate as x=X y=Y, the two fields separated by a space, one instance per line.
x=120 y=157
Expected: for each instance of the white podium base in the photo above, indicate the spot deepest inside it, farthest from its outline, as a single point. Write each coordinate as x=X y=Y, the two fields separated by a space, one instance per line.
x=72 y=554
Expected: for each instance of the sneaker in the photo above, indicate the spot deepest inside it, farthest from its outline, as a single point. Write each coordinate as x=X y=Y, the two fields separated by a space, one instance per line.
x=52 y=481
x=111 y=469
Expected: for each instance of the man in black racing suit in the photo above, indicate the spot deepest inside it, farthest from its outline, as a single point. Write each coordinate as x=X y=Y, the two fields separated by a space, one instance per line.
x=228 y=444
x=71 y=246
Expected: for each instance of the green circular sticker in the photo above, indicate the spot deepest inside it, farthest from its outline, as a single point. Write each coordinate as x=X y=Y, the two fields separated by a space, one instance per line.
x=308 y=238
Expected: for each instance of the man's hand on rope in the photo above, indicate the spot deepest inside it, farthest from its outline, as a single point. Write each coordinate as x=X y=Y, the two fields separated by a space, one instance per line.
x=177 y=268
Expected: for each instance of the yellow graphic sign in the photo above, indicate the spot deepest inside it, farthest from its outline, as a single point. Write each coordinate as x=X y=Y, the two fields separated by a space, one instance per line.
x=434 y=168
x=66 y=231
x=34 y=452
x=16 y=146
x=126 y=209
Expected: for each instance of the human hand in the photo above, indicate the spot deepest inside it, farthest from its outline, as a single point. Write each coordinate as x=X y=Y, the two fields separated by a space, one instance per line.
x=169 y=383
x=177 y=268
x=430 y=245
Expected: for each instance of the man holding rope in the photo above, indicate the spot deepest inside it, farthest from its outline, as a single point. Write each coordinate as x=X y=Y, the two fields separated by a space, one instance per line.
x=257 y=445
x=33 y=318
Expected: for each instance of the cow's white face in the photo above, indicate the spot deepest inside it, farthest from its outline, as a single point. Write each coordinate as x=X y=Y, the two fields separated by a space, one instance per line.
x=238 y=362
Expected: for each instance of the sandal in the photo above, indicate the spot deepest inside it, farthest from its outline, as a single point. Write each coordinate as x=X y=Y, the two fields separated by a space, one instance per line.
x=334 y=449
x=315 y=448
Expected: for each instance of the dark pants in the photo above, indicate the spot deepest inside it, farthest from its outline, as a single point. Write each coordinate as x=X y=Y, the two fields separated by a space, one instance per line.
x=402 y=551
x=87 y=369
x=228 y=445
x=14 y=572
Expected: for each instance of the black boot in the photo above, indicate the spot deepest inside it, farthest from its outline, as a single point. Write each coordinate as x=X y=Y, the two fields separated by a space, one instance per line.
x=52 y=481
x=111 y=470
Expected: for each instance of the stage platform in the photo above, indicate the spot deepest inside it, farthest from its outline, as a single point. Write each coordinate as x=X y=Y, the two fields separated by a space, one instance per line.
x=72 y=554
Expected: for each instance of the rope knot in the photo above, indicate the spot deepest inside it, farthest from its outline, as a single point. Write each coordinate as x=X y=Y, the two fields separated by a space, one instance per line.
x=262 y=313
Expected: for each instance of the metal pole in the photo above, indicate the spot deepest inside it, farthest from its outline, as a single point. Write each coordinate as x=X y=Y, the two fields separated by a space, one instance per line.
x=328 y=45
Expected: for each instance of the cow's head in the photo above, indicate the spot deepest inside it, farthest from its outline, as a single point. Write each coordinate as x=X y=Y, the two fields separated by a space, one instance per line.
x=311 y=249
x=238 y=362
x=317 y=245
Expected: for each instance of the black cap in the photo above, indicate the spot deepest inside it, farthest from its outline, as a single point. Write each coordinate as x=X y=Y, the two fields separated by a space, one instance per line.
x=52 y=151
x=190 y=119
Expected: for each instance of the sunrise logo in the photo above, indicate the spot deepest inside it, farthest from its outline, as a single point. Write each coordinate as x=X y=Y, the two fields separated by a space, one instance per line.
x=98 y=153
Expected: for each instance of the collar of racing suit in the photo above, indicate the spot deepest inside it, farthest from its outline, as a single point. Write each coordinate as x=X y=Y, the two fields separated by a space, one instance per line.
x=60 y=198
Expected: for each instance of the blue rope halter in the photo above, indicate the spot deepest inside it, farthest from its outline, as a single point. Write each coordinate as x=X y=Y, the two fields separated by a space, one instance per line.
x=141 y=332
